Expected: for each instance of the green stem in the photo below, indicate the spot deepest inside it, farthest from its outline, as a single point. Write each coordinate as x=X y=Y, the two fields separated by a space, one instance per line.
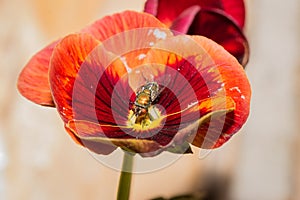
x=125 y=177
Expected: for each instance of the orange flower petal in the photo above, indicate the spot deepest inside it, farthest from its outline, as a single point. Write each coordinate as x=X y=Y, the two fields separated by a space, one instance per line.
x=33 y=80
x=211 y=128
x=99 y=148
x=234 y=79
x=66 y=61
x=210 y=70
x=93 y=138
x=190 y=120
x=88 y=82
x=129 y=34
x=213 y=125
x=120 y=22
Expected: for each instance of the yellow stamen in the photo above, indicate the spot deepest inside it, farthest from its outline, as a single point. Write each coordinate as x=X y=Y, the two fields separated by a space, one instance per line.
x=152 y=119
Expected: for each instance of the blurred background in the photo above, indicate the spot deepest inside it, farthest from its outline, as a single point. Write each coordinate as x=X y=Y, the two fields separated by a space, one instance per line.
x=38 y=160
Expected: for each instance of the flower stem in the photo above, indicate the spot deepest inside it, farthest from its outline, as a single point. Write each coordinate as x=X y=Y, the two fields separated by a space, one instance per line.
x=125 y=177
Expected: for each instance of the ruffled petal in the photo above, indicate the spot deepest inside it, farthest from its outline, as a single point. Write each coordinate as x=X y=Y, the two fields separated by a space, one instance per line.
x=209 y=129
x=234 y=8
x=167 y=11
x=235 y=83
x=205 y=131
x=33 y=80
x=177 y=121
x=118 y=23
x=218 y=26
x=183 y=22
x=201 y=69
x=92 y=136
x=90 y=83
x=67 y=58
x=97 y=148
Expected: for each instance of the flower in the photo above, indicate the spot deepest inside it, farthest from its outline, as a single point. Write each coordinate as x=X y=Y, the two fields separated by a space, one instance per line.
x=219 y=20
x=126 y=81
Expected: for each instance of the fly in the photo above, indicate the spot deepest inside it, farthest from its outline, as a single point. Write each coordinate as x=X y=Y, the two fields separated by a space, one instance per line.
x=145 y=96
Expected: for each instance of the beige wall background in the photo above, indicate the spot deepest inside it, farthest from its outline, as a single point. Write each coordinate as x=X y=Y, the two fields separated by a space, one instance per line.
x=38 y=160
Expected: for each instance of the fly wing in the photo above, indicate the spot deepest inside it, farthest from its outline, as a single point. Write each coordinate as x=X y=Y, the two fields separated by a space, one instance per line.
x=154 y=88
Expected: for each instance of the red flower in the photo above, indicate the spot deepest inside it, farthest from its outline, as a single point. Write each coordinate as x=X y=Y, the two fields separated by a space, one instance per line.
x=219 y=20
x=126 y=81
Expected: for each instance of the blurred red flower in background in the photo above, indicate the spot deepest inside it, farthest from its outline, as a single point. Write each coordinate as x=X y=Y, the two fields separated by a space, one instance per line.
x=126 y=81
x=219 y=20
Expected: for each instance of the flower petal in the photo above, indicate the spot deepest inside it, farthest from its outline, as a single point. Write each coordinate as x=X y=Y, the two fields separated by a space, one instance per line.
x=167 y=11
x=129 y=34
x=207 y=130
x=183 y=22
x=66 y=61
x=198 y=110
x=33 y=80
x=236 y=9
x=120 y=22
x=218 y=26
x=97 y=148
x=90 y=83
x=235 y=83
x=202 y=69
x=93 y=132
x=80 y=85
x=92 y=135
x=132 y=47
